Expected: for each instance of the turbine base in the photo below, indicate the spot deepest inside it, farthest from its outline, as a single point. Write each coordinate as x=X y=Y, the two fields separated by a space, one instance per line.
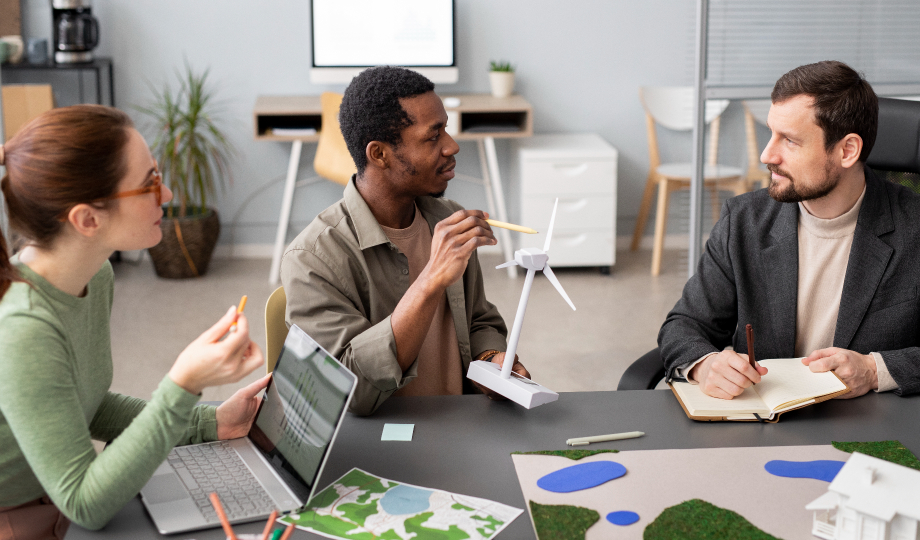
x=522 y=391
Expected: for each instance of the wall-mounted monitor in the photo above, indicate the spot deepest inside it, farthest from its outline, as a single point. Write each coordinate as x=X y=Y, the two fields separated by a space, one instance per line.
x=352 y=35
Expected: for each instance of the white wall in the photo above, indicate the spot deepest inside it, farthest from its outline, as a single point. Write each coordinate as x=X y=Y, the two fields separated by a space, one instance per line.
x=579 y=63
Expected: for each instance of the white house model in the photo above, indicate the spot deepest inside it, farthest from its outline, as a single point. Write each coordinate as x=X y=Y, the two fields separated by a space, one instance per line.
x=869 y=499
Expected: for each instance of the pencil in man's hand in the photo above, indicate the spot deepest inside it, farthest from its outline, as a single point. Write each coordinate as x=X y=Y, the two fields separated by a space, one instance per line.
x=510 y=226
x=239 y=310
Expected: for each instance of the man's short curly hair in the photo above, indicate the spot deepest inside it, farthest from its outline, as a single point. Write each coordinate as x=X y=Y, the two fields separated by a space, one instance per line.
x=371 y=110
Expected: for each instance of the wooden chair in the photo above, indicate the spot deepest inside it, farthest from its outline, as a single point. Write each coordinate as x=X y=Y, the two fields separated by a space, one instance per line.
x=332 y=160
x=276 y=329
x=755 y=111
x=672 y=107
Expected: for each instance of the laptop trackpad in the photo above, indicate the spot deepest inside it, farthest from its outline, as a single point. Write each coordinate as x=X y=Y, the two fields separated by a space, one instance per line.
x=164 y=488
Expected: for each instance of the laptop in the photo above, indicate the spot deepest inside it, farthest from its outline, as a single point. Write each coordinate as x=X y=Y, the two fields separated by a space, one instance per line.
x=277 y=465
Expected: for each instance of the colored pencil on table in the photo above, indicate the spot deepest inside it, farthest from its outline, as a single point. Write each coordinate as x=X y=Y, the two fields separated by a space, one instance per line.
x=224 y=522
x=268 y=526
x=288 y=532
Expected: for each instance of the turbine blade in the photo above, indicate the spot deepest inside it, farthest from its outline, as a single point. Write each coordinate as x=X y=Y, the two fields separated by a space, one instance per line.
x=549 y=233
x=548 y=272
x=507 y=264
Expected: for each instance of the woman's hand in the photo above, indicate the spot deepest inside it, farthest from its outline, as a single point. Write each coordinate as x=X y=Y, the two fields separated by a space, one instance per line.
x=234 y=416
x=207 y=361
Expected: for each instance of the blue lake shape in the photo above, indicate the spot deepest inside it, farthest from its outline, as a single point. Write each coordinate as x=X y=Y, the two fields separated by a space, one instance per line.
x=622 y=517
x=581 y=476
x=403 y=500
x=822 y=469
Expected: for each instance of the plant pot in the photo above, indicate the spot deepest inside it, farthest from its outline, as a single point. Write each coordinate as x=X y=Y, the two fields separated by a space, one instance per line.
x=502 y=83
x=187 y=245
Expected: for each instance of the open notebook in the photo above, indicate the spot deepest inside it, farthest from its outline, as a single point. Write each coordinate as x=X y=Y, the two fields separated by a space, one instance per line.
x=788 y=385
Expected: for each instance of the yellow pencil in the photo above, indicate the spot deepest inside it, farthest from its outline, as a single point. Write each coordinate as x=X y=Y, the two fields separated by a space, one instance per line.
x=239 y=310
x=510 y=226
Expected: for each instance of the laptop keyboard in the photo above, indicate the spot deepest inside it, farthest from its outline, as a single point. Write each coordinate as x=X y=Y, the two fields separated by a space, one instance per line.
x=216 y=467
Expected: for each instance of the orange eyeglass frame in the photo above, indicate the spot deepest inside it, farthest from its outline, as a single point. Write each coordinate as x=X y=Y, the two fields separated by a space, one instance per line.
x=156 y=188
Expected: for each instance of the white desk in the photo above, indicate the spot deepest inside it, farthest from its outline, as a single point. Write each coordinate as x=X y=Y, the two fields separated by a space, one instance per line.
x=480 y=118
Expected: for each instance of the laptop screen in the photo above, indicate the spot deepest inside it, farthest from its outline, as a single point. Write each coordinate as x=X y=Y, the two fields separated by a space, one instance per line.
x=301 y=410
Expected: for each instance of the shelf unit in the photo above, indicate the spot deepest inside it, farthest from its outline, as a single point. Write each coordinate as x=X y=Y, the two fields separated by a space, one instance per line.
x=581 y=170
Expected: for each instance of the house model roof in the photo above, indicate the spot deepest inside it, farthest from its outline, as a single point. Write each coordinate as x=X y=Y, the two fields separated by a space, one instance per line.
x=874 y=487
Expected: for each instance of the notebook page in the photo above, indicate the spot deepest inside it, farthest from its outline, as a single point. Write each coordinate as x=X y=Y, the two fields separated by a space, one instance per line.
x=699 y=404
x=790 y=381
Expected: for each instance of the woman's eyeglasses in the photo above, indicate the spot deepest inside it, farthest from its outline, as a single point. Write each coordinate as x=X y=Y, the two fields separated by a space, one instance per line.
x=156 y=188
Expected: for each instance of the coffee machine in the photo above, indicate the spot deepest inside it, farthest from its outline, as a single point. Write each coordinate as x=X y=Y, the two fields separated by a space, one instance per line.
x=76 y=31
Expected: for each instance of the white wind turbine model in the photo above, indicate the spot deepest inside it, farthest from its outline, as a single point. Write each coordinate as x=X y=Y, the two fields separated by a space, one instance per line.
x=503 y=381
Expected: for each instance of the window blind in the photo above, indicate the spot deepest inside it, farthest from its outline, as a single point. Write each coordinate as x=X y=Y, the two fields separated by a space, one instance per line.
x=753 y=42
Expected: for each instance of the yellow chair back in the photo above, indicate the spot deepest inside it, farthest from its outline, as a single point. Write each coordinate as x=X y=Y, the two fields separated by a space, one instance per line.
x=332 y=160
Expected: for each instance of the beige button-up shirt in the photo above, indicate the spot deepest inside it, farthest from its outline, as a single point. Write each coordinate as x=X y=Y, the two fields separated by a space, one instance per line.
x=343 y=278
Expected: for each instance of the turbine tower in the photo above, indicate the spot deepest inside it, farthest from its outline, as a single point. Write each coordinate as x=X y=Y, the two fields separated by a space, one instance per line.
x=502 y=381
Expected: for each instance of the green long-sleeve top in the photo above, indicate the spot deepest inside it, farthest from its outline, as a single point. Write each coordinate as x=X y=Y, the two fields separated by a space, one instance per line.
x=55 y=373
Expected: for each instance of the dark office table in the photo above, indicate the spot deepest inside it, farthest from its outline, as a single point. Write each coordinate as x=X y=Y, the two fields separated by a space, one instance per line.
x=462 y=443
x=98 y=66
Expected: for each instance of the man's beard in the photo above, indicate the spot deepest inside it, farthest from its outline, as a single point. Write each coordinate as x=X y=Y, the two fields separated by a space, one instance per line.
x=791 y=194
x=411 y=170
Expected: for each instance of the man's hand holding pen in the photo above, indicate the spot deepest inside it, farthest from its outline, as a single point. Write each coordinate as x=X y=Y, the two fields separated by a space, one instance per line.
x=726 y=374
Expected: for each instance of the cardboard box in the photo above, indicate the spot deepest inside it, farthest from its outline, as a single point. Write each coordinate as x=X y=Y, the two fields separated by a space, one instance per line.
x=23 y=102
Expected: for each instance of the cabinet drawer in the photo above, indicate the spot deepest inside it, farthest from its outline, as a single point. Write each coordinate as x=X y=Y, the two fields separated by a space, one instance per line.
x=567 y=176
x=575 y=212
x=586 y=247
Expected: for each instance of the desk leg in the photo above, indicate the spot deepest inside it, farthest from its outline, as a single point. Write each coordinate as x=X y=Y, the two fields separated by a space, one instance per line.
x=275 y=273
x=493 y=183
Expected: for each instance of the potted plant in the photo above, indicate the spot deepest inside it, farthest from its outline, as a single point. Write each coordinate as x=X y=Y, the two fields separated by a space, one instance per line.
x=193 y=154
x=501 y=78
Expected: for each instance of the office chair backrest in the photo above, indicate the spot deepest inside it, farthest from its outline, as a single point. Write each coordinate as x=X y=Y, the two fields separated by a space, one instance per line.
x=897 y=146
x=672 y=106
x=755 y=112
x=332 y=160
x=276 y=329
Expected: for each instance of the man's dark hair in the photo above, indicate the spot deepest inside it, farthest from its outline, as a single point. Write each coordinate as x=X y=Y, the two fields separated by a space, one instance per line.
x=844 y=101
x=371 y=110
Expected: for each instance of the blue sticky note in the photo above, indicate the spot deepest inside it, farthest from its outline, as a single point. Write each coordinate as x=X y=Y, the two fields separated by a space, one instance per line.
x=397 y=432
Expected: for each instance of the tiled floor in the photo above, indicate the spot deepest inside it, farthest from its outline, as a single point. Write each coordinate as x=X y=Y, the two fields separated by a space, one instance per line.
x=617 y=319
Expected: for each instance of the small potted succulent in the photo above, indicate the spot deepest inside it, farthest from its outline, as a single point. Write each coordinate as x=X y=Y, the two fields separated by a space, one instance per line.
x=193 y=154
x=501 y=78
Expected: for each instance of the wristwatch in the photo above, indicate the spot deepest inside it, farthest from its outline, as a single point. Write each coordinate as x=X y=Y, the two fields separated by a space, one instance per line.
x=487 y=355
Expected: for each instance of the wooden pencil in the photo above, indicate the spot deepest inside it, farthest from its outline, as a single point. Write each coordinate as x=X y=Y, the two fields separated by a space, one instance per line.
x=510 y=226
x=268 y=526
x=224 y=522
x=287 y=532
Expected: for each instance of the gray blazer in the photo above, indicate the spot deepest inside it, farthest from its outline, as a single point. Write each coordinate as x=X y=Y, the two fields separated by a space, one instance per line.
x=749 y=274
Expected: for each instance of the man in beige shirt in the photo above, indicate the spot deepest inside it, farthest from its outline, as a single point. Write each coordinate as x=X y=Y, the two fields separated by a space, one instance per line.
x=387 y=279
x=823 y=264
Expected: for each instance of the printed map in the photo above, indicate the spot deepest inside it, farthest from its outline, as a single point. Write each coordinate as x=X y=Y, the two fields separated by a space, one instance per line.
x=361 y=506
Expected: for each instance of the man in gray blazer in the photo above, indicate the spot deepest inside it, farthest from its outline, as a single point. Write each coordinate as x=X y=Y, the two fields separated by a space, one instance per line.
x=825 y=264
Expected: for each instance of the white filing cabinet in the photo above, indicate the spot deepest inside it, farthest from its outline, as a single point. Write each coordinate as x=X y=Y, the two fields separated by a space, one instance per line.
x=581 y=170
